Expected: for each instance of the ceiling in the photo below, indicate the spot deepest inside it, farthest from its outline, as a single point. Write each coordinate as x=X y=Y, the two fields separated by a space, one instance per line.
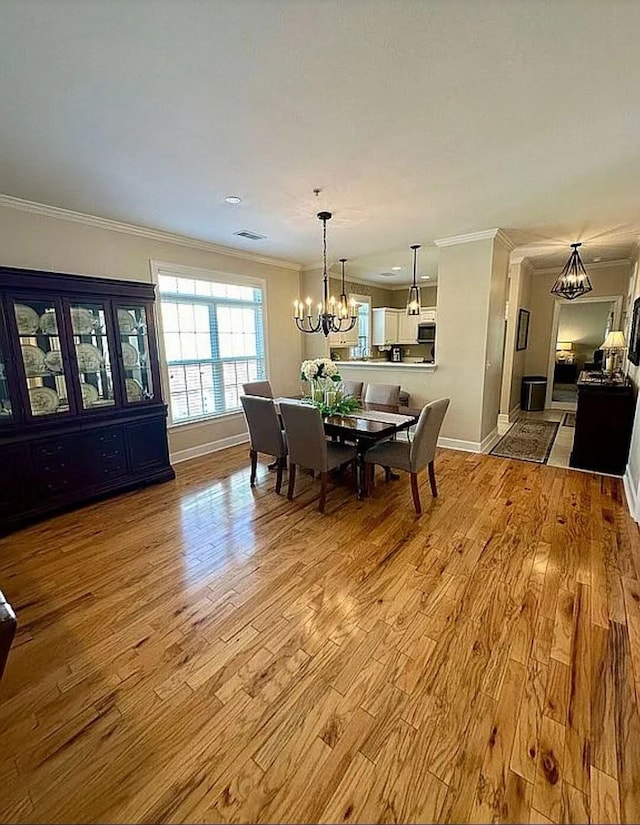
x=418 y=120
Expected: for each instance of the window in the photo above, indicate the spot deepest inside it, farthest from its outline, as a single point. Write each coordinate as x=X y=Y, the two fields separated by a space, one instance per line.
x=213 y=340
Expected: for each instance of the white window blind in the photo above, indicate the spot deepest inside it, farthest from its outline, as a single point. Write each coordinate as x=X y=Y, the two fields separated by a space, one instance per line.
x=214 y=342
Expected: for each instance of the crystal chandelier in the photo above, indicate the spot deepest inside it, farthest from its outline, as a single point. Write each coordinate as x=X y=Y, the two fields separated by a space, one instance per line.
x=573 y=281
x=413 y=300
x=332 y=316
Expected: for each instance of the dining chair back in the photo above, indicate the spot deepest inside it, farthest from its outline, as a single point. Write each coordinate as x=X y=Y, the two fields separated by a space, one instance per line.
x=265 y=434
x=425 y=437
x=352 y=389
x=260 y=388
x=415 y=456
x=382 y=394
x=308 y=446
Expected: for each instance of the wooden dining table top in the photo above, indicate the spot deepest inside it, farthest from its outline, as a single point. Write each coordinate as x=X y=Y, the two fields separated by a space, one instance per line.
x=369 y=427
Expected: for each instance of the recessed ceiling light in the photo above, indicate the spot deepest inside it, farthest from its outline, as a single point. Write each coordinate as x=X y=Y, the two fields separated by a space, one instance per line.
x=232 y=199
x=597 y=259
x=425 y=277
x=396 y=268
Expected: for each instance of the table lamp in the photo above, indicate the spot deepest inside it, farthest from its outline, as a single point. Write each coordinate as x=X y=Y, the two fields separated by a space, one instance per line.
x=613 y=345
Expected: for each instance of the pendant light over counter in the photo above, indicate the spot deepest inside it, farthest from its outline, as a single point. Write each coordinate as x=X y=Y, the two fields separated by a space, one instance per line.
x=413 y=299
x=573 y=281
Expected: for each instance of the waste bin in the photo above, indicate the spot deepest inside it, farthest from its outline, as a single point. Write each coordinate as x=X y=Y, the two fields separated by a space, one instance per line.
x=534 y=392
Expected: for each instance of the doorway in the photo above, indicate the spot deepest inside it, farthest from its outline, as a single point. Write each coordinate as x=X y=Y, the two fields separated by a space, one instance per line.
x=579 y=328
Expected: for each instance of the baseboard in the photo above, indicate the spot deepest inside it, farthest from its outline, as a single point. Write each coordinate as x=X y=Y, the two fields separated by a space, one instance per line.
x=490 y=441
x=506 y=419
x=514 y=412
x=632 y=498
x=460 y=444
x=210 y=447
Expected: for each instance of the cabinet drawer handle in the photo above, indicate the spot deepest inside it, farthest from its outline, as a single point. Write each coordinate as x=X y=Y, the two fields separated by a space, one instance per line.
x=110 y=455
x=110 y=437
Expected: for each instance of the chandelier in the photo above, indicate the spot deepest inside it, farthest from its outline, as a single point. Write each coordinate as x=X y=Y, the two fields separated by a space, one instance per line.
x=332 y=316
x=573 y=281
x=413 y=300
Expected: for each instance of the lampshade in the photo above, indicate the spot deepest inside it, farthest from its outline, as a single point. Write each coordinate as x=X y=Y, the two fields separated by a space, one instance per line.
x=614 y=340
x=564 y=346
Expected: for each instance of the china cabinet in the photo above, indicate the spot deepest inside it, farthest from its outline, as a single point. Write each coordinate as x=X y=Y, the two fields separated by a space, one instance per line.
x=81 y=414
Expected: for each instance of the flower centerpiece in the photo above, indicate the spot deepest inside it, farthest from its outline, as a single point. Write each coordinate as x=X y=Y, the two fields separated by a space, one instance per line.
x=324 y=387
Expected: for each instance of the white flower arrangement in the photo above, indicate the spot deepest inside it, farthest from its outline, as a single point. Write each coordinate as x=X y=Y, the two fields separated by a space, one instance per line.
x=317 y=368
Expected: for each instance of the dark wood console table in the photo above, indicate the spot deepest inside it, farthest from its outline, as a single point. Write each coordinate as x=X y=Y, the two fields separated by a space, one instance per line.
x=604 y=421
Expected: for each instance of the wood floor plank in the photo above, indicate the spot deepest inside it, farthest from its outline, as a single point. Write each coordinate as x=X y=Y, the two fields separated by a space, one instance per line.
x=204 y=651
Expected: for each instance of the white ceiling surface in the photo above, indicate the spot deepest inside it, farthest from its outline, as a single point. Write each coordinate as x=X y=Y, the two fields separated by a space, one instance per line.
x=419 y=119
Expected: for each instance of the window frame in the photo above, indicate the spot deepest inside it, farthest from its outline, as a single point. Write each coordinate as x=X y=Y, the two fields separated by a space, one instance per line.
x=197 y=273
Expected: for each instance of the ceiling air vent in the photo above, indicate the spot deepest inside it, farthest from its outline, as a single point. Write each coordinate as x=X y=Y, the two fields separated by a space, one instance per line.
x=252 y=236
x=388 y=274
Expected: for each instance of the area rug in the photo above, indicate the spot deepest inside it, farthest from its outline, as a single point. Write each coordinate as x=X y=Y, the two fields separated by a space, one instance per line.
x=528 y=441
x=569 y=420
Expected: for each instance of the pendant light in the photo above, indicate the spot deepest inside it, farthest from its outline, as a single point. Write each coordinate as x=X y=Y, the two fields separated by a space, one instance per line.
x=331 y=316
x=573 y=281
x=413 y=299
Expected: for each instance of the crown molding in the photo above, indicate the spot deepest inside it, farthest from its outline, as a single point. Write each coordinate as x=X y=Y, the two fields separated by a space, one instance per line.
x=58 y=213
x=555 y=270
x=471 y=237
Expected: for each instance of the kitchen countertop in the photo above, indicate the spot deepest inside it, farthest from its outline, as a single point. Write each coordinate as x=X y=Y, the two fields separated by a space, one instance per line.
x=382 y=363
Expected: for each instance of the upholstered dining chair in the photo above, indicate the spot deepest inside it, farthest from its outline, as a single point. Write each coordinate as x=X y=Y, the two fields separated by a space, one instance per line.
x=260 y=388
x=382 y=394
x=415 y=456
x=309 y=448
x=265 y=434
x=352 y=389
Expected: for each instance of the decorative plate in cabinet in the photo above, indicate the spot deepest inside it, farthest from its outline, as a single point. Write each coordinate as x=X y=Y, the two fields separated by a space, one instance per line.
x=53 y=360
x=134 y=390
x=44 y=400
x=127 y=324
x=89 y=394
x=27 y=319
x=34 y=360
x=49 y=322
x=89 y=358
x=83 y=321
x=129 y=355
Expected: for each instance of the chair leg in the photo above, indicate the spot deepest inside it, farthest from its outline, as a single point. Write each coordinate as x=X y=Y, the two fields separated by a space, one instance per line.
x=371 y=478
x=323 y=491
x=432 y=480
x=415 y=493
x=254 y=464
x=292 y=481
x=387 y=474
x=280 y=469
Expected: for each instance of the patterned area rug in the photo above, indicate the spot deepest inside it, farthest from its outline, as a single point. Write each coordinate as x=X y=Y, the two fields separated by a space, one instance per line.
x=528 y=441
x=569 y=420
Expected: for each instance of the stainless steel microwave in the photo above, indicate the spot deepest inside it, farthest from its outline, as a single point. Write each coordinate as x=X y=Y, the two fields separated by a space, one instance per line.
x=426 y=333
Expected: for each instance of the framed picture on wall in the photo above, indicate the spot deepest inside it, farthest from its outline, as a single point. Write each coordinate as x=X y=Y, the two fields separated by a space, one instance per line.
x=522 y=333
x=634 y=336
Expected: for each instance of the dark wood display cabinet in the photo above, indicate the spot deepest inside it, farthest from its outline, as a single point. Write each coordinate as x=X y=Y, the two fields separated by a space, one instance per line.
x=81 y=413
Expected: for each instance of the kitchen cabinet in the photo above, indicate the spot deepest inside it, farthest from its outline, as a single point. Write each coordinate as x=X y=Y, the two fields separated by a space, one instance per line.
x=81 y=415
x=407 y=328
x=385 y=326
x=344 y=339
x=427 y=315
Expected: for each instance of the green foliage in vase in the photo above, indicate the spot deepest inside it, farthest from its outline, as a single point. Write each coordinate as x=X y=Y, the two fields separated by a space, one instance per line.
x=342 y=406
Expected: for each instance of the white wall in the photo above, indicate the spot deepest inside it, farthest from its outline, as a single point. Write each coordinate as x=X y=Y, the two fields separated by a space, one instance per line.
x=514 y=363
x=36 y=241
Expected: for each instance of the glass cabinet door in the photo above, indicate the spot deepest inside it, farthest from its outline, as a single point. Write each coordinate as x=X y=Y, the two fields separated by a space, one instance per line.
x=6 y=411
x=92 y=353
x=43 y=356
x=133 y=327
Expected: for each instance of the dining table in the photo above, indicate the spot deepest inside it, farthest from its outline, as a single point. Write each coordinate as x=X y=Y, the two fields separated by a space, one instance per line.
x=364 y=427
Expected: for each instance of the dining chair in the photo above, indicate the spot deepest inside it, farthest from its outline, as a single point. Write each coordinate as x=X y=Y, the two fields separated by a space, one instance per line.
x=309 y=448
x=265 y=434
x=412 y=457
x=352 y=389
x=382 y=394
x=260 y=388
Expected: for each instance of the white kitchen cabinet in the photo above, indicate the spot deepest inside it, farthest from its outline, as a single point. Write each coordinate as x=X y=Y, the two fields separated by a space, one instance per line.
x=344 y=339
x=407 y=328
x=385 y=326
x=427 y=315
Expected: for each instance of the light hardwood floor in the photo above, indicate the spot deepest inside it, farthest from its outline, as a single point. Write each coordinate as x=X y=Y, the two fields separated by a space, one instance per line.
x=202 y=652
